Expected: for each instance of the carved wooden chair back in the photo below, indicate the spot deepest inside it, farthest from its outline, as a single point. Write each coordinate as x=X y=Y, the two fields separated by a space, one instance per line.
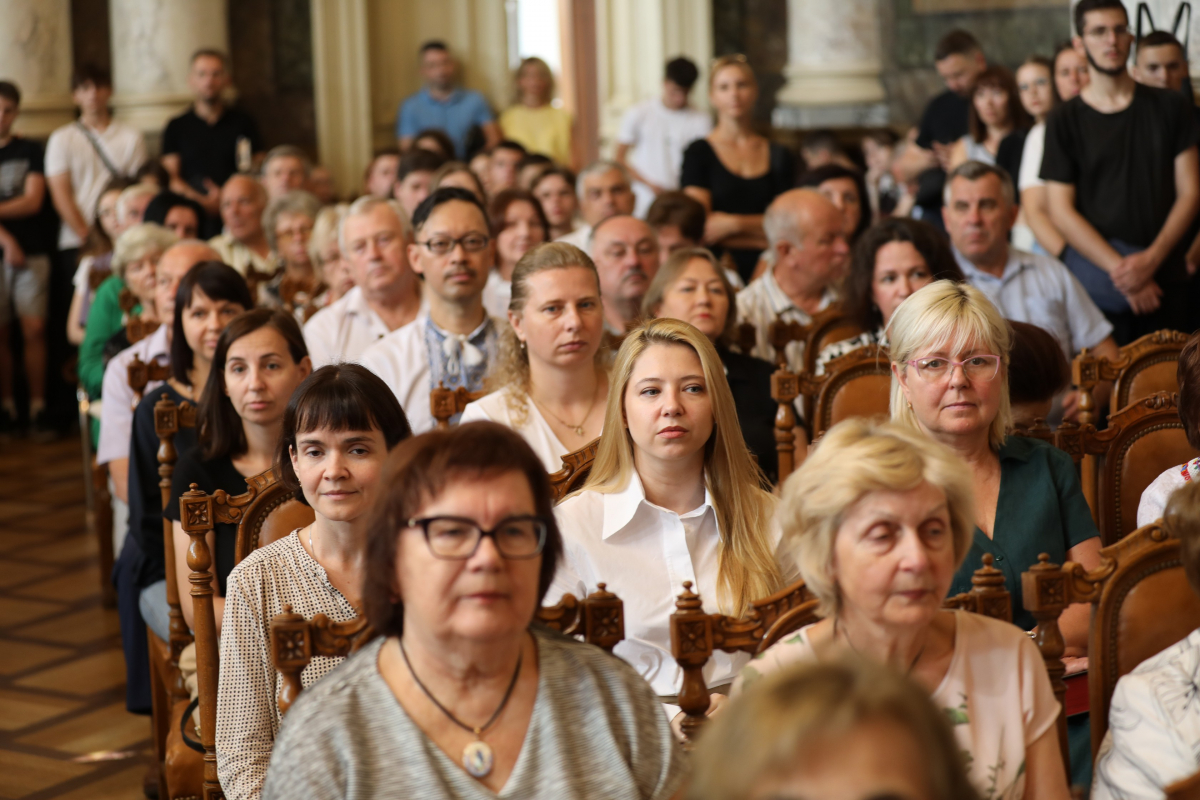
x=1118 y=463
x=98 y=513
x=199 y=513
x=824 y=328
x=1142 y=368
x=858 y=384
x=139 y=374
x=254 y=279
x=136 y=328
x=96 y=277
x=1186 y=789
x=445 y=403
x=695 y=635
x=297 y=297
x=747 y=337
x=574 y=473
x=1141 y=602
x=598 y=619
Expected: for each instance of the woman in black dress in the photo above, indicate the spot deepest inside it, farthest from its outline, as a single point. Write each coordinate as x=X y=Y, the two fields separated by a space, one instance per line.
x=735 y=172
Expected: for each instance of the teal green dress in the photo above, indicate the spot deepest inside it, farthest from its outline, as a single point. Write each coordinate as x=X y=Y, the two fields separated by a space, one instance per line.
x=105 y=319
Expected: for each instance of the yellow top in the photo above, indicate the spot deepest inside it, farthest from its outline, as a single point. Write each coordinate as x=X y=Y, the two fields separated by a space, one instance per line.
x=545 y=130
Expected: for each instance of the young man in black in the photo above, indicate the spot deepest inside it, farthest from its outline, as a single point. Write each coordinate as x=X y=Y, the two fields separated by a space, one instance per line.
x=1121 y=175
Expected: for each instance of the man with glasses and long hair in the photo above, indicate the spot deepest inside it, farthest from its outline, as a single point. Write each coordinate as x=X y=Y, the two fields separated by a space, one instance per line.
x=453 y=340
x=1121 y=178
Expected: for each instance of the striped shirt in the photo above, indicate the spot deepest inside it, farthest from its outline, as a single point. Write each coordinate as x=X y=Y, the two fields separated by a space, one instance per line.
x=596 y=732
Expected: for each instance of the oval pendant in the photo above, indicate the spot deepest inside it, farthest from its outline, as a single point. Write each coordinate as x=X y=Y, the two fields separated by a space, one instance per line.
x=477 y=759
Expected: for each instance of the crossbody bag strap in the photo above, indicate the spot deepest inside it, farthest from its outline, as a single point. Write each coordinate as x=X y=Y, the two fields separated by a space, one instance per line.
x=91 y=137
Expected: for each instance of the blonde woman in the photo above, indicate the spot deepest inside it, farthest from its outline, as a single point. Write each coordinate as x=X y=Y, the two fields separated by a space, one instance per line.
x=532 y=120
x=674 y=495
x=333 y=270
x=878 y=518
x=550 y=383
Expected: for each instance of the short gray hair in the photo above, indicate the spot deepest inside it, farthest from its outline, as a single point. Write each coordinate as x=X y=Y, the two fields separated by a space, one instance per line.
x=296 y=201
x=599 y=168
x=975 y=170
x=780 y=225
x=143 y=240
x=365 y=205
x=287 y=151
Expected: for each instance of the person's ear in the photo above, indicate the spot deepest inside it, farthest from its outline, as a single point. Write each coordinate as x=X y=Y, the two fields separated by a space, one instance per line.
x=306 y=366
x=414 y=257
x=901 y=376
x=1077 y=45
x=295 y=459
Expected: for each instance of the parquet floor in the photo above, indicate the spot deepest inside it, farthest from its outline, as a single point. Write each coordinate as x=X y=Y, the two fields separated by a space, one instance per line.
x=64 y=731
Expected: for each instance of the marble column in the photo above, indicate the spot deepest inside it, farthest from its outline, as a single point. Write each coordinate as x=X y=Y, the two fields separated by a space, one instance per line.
x=35 y=54
x=152 y=44
x=834 y=65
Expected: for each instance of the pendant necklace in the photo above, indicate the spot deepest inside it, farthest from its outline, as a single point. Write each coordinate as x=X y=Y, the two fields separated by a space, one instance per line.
x=577 y=428
x=477 y=757
x=846 y=634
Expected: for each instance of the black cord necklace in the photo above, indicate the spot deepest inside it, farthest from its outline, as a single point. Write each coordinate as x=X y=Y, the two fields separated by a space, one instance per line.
x=846 y=635
x=477 y=757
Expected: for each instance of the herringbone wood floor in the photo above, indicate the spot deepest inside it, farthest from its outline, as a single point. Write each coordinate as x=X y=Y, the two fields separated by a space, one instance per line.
x=64 y=731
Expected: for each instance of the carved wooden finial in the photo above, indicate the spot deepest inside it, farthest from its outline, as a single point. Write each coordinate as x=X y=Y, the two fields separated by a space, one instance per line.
x=688 y=600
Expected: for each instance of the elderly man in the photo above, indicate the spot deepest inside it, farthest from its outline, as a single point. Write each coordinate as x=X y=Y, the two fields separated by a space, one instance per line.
x=605 y=189
x=243 y=245
x=979 y=212
x=374 y=237
x=455 y=340
x=626 y=256
x=804 y=233
x=285 y=169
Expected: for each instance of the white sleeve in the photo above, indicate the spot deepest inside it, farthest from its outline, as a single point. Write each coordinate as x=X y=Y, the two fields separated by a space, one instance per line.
x=1031 y=158
x=1144 y=755
x=316 y=338
x=631 y=122
x=58 y=159
x=1155 y=497
x=80 y=281
x=116 y=412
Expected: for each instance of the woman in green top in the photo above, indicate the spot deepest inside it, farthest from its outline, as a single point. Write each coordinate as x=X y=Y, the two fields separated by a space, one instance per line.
x=134 y=259
x=950 y=350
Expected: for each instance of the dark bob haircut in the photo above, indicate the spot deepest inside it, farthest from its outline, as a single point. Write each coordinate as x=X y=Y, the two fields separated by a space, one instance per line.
x=1037 y=370
x=338 y=397
x=446 y=194
x=419 y=470
x=498 y=210
x=860 y=297
x=831 y=172
x=1188 y=375
x=218 y=426
x=216 y=281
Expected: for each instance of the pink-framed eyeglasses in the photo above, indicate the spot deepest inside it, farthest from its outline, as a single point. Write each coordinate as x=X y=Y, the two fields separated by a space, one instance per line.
x=975 y=368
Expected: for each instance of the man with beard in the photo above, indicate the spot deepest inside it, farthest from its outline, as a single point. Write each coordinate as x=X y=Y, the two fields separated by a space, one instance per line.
x=1121 y=176
x=442 y=105
x=455 y=339
x=374 y=237
x=626 y=256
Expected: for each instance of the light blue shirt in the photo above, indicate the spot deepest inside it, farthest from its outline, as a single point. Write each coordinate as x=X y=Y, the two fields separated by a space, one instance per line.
x=1041 y=290
x=456 y=115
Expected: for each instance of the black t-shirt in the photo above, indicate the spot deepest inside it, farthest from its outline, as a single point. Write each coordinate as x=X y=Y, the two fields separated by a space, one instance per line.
x=209 y=151
x=1122 y=165
x=944 y=122
x=19 y=159
x=219 y=473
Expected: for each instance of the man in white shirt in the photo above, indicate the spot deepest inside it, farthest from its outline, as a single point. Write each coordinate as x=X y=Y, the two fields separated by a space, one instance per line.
x=243 y=244
x=604 y=190
x=626 y=256
x=453 y=342
x=979 y=212
x=659 y=130
x=804 y=232
x=374 y=237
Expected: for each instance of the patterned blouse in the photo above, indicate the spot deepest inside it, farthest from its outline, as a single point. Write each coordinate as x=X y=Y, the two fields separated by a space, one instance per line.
x=838 y=349
x=247 y=715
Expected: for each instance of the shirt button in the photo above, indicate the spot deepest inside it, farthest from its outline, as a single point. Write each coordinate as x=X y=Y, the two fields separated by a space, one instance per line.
x=999 y=558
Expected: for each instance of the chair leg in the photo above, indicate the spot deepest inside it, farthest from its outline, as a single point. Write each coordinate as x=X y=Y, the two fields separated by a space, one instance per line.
x=160 y=719
x=98 y=516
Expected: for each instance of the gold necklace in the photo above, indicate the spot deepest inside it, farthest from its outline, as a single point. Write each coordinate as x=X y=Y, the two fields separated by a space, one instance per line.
x=578 y=429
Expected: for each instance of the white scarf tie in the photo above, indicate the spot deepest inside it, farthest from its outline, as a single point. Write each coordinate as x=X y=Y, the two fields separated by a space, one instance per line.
x=457 y=348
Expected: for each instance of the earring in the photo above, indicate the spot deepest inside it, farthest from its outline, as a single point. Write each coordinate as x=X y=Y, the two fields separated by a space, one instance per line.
x=910 y=407
x=522 y=345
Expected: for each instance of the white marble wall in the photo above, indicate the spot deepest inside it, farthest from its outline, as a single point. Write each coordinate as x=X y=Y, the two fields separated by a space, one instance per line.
x=35 y=54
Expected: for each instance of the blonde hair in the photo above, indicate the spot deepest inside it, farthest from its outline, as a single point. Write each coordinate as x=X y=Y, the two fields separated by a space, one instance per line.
x=144 y=240
x=853 y=459
x=746 y=565
x=128 y=195
x=951 y=315
x=733 y=60
x=534 y=61
x=763 y=729
x=325 y=231
x=510 y=370
x=668 y=273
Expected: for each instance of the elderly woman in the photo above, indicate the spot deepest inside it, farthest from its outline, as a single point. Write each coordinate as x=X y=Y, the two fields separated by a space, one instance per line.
x=878 y=518
x=518 y=225
x=891 y=261
x=844 y=729
x=551 y=379
x=460 y=685
x=1156 y=495
x=332 y=270
x=288 y=224
x=691 y=286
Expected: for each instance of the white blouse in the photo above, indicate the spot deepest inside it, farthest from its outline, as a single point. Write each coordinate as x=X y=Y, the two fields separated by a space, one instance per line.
x=1155 y=497
x=535 y=430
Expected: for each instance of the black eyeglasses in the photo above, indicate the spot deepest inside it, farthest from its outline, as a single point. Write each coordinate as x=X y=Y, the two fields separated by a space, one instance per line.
x=457 y=538
x=442 y=245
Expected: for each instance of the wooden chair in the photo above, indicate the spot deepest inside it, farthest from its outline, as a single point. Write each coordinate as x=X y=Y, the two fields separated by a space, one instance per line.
x=445 y=403
x=574 y=473
x=97 y=277
x=136 y=328
x=1186 y=789
x=599 y=619
x=858 y=384
x=695 y=635
x=1117 y=464
x=297 y=297
x=1141 y=602
x=1143 y=367
x=266 y=512
x=98 y=508
x=824 y=328
x=139 y=375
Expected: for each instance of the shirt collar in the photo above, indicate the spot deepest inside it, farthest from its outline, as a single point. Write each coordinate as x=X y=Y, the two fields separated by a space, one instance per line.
x=620 y=508
x=455 y=94
x=1012 y=266
x=476 y=336
x=780 y=302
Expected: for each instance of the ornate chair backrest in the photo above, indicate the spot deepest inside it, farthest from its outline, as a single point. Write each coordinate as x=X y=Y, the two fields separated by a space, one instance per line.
x=298 y=296
x=824 y=328
x=254 y=278
x=445 y=403
x=1142 y=603
x=695 y=635
x=98 y=276
x=785 y=388
x=136 y=328
x=139 y=374
x=199 y=513
x=1141 y=441
x=599 y=619
x=747 y=337
x=574 y=473
x=1143 y=367
x=858 y=384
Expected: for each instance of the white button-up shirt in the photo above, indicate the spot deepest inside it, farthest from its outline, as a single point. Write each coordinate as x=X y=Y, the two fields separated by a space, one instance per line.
x=343 y=331
x=241 y=257
x=762 y=303
x=581 y=237
x=644 y=553
x=116 y=412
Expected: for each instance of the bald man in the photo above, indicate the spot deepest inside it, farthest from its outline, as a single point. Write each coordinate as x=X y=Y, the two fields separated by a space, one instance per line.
x=626 y=255
x=116 y=414
x=804 y=232
x=243 y=244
